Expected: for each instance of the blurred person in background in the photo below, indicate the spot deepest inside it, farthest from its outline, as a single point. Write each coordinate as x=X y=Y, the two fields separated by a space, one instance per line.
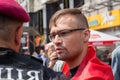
x=69 y=32
x=15 y=66
x=44 y=57
x=37 y=40
x=115 y=63
x=37 y=53
x=109 y=56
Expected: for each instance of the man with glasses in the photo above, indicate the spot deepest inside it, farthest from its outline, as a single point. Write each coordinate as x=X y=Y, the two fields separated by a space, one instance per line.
x=69 y=32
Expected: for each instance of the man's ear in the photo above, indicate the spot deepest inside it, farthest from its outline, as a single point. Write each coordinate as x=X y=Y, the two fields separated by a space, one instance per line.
x=18 y=34
x=86 y=35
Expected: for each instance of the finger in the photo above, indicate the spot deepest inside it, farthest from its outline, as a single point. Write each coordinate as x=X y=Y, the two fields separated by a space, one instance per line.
x=53 y=56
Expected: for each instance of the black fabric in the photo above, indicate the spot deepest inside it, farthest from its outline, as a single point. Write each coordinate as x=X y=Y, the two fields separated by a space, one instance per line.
x=73 y=71
x=15 y=66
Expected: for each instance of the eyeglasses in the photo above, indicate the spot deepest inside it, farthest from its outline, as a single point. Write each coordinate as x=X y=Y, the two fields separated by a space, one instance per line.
x=64 y=33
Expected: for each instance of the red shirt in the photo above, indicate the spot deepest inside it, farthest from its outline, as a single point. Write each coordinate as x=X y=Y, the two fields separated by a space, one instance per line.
x=92 y=68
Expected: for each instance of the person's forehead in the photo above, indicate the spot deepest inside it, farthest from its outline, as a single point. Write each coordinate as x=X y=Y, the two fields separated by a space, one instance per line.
x=66 y=17
x=65 y=22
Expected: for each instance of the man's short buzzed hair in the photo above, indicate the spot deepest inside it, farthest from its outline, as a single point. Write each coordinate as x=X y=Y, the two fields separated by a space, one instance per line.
x=75 y=11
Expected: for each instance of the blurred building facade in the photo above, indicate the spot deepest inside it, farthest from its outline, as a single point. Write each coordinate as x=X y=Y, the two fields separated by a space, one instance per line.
x=103 y=15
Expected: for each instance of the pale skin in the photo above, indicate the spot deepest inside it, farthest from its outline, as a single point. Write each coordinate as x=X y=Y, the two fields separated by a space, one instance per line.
x=53 y=60
x=16 y=29
x=52 y=55
x=18 y=38
x=73 y=47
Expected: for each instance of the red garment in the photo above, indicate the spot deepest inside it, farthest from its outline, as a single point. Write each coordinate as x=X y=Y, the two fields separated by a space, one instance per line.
x=65 y=69
x=12 y=9
x=92 y=68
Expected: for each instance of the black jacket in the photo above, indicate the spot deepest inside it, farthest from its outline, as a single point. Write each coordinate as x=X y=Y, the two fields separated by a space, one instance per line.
x=15 y=66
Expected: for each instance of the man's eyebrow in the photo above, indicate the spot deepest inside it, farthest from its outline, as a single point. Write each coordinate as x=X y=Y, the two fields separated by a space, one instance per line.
x=64 y=30
x=57 y=31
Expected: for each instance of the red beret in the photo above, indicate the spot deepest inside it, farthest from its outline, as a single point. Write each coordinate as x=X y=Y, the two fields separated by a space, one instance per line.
x=14 y=10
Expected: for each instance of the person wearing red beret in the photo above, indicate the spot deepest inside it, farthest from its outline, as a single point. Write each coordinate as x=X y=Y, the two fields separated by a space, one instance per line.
x=15 y=66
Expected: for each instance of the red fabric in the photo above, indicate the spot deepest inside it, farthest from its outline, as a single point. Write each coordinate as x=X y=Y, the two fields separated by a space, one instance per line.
x=65 y=70
x=12 y=9
x=96 y=43
x=93 y=69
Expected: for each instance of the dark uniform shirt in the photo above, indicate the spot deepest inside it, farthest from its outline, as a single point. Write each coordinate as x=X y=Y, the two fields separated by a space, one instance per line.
x=15 y=66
